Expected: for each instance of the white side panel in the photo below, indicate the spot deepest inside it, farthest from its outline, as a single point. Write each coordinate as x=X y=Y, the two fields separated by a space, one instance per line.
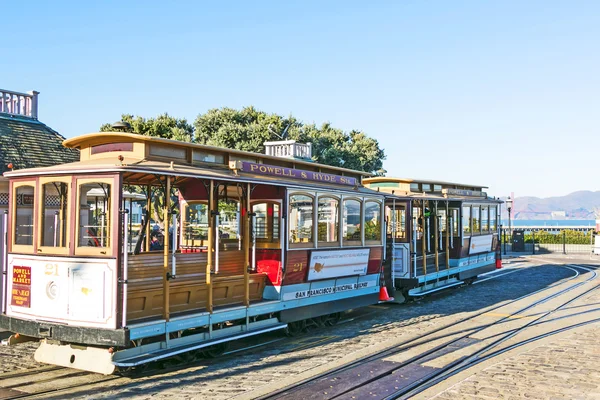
x=400 y=260
x=480 y=244
x=79 y=292
x=337 y=263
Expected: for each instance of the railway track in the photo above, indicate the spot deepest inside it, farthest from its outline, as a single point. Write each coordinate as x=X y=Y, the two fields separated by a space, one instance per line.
x=419 y=364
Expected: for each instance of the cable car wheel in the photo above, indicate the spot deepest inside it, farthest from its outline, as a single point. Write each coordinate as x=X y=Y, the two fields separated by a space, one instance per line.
x=215 y=350
x=331 y=319
x=296 y=328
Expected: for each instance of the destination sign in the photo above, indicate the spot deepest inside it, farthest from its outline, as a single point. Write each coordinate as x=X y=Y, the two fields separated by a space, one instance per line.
x=264 y=169
x=462 y=192
x=21 y=287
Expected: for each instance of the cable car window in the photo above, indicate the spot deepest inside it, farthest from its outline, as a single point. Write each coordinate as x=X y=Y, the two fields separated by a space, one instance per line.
x=484 y=220
x=94 y=205
x=396 y=222
x=493 y=226
x=267 y=222
x=476 y=221
x=328 y=221
x=351 y=222
x=229 y=220
x=54 y=212
x=466 y=220
x=301 y=221
x=195 y=224
x=372 y=222
x=454 y=221
x=442 y=221
x=23 y=215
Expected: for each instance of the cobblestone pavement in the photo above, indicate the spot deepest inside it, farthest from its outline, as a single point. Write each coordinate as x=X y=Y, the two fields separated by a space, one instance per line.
x=564 y=367
x=249 y=374
x=567 y=368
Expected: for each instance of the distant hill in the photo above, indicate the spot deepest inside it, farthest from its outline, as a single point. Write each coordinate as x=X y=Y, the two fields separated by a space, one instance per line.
x=577 y=205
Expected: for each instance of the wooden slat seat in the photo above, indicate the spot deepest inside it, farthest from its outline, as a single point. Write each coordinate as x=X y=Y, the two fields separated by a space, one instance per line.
x=188 y=290
x=146 y=302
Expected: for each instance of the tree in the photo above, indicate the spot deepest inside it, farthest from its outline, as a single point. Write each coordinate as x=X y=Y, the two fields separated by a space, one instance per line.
x=248 y=129
x=163 y=126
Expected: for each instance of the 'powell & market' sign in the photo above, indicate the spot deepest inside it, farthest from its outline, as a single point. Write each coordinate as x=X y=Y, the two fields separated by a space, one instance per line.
x=264 y=169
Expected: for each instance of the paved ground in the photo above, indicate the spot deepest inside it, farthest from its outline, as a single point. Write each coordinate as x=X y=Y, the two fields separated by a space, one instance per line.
x=565 y=367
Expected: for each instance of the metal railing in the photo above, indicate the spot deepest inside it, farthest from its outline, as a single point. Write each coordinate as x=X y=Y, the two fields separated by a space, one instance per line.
x=534 y=241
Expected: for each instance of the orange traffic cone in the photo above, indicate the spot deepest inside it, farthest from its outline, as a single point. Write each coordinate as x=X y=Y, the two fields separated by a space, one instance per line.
x=498 y=256
x=383 y=294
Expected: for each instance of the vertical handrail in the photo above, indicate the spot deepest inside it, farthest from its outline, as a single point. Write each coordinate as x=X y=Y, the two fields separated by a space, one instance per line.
x=428 y=235
x=452 y=233
x=55 y=227
x=125 y=265
x=393 y=275
x=174 y=247
x=415 y=245
x=217 y=243
x=253 y=242
x=4 y=259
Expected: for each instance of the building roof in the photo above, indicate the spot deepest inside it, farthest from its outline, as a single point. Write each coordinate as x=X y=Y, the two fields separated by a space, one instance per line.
x=409 y=180
x=28 y=143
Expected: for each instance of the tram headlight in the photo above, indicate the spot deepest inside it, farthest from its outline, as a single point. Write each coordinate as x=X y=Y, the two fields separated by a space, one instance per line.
x=52 y=290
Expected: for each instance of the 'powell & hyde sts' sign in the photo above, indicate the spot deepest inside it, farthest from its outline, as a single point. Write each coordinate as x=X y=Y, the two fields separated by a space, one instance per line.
x=264 y=169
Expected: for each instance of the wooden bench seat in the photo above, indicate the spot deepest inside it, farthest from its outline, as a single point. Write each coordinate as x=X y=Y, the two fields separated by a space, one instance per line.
x=187 y=292
x=146 y=302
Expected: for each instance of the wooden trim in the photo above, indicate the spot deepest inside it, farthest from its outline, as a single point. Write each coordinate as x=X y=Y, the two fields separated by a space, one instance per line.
x=22 y=248
x=51 y=250
x=209 y=292
x=97 y=251
x=166 y=237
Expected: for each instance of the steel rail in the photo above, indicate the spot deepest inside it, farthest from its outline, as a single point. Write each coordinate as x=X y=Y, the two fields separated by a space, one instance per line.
x=412 y=343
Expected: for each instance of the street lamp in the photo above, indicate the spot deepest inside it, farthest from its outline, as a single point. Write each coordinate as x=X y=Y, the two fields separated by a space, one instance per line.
x=509 y=203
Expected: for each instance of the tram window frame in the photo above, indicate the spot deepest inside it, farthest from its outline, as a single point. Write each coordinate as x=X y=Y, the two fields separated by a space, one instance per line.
x=41 y=200
x=466 y=220
x=225 y=243
x=455 y=221
x=298 y=244
x=485 y=221
x=400 y=233
x=476 y=220
x=344 y=219
x=15 y=206
x=494 y=226
x=336 y=241
x=102 y=251
x=184 y=219
x=271 y=241
x=442 y=220
x=379 y=240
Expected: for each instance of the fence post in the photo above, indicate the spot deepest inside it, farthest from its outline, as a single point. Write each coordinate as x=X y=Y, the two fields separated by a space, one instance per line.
x=564 y=242
x=533 y=241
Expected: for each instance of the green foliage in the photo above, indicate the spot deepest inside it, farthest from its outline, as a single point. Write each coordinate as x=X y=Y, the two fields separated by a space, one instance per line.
x=568 y=236
x=163 y=126
x=544 y=237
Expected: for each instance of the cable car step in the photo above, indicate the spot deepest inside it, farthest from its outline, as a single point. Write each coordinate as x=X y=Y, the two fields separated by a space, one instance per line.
x=122 y=359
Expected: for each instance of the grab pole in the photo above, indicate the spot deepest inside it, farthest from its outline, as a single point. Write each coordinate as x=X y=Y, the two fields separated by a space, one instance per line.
x=4 y=261
x=125 y=265
x=174 y=239
x=217 y=243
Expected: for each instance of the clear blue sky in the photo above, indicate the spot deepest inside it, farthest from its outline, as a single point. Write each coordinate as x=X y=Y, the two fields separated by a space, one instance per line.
x=504 y=93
